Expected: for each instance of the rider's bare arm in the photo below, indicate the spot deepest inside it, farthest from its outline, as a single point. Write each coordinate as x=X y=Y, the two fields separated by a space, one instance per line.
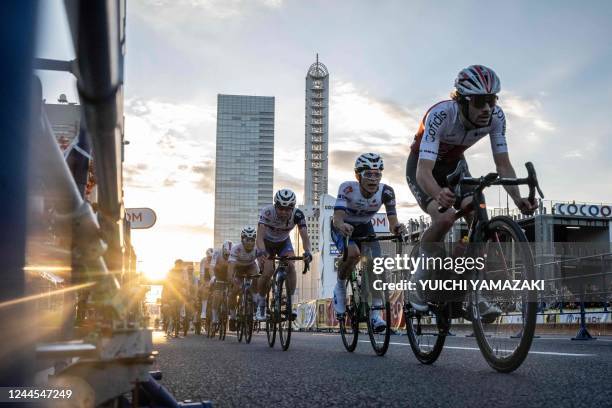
x=505 y=170
x=338 y=218
x=305 y=238
x=261 y=232
x=339 y=224
x=231 y=267
x=427 y=182
x=425 y=178
x=393 y=222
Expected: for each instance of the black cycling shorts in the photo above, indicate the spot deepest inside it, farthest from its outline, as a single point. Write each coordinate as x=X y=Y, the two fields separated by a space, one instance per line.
x=440 y=171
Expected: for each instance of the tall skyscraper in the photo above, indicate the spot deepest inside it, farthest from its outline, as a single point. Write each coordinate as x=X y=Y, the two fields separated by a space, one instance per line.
x=317 y=121
x=244 y=169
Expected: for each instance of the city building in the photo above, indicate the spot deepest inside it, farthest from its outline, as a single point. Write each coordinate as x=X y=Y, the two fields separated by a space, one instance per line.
x=317 y=132
x=244 y=168
x=65 y=119
x=316 y=145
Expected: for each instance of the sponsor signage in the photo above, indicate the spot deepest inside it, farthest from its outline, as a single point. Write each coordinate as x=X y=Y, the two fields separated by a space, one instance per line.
x=140 y=218
x=583 y=210
x=380 y=223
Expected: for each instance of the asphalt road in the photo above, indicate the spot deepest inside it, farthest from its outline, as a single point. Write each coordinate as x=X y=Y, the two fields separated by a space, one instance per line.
x=318 y=372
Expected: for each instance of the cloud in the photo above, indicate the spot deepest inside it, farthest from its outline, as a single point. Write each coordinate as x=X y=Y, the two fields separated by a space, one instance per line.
x=191 y=10
x=135 y=175
x=205 y=171
x=168 y=182
x=188 y=228
x=356 y=113
x=286 y=180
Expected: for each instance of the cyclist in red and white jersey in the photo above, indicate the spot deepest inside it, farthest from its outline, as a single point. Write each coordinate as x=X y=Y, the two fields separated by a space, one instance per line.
x=447 y=130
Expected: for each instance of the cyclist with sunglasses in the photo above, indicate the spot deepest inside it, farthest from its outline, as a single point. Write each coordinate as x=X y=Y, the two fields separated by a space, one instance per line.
x=275 y=224
x=357 y=202
x=447 y=130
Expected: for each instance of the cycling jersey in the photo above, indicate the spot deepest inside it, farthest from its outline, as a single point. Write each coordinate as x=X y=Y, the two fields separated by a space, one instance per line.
x=277 y=230
x=359 y=209
x=218 y=266
x=442 y=136
x=241 y=257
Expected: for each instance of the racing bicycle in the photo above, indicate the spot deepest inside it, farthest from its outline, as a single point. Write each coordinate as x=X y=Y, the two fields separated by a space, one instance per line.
x=361 y=292
x=500 y=241
x=279 y=310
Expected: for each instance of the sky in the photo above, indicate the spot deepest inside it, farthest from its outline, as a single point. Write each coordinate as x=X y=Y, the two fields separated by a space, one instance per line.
x=389 y=61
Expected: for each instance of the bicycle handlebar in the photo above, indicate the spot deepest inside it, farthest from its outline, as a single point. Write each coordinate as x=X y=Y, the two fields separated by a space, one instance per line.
x=292 y=258
x=368 y=238
x=458 y=178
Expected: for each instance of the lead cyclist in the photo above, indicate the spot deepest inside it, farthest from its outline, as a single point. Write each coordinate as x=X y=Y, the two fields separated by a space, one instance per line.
x=448 y=129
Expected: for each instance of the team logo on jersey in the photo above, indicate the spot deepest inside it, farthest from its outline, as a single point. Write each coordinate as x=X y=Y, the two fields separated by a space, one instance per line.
x=348 y=189
x=268 y=213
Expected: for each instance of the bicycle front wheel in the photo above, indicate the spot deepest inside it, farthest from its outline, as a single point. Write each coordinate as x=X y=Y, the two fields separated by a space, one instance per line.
x=379 y=337
x=426 y=333
x=505 y=341
x=349 y=323
x=285 y=314
x=240 y=318
x=222 y=321
x=248 y=318
x=271 y=317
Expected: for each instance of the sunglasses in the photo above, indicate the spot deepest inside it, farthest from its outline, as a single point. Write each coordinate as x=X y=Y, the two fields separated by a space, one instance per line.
x=250 y=240
x=480 y=101
x=371 y=175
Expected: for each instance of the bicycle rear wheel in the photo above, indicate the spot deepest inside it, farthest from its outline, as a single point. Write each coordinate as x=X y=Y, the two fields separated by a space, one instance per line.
x=222 y=321
x=376 y=306
x=505 y=342
x=349 y=323
x=426 y=341
x=284 y=307
x=271 y=317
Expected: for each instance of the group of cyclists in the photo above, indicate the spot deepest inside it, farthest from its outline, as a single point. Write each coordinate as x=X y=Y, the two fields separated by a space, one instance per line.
x=446 y=131
x=252 y=257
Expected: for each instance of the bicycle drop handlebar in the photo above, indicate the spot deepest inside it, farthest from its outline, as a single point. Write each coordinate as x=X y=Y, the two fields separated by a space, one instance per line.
x=458 y=178
x=292 y=258
x=368 y=238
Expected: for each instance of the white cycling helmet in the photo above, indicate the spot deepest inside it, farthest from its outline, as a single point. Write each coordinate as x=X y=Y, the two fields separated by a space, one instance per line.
x=209 y=252
x=248 y=232
x=369 y=161
x=284 y=198
x=226 y=248
x=477 y=80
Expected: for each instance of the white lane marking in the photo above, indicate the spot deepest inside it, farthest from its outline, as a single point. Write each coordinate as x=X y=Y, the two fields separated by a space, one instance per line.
x=548 y=353
x=461 y=336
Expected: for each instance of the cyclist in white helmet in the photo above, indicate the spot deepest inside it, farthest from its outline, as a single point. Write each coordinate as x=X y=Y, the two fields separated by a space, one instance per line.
x=446 y=131
x=356 y=204
x=275 y=224
x=242 y=261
